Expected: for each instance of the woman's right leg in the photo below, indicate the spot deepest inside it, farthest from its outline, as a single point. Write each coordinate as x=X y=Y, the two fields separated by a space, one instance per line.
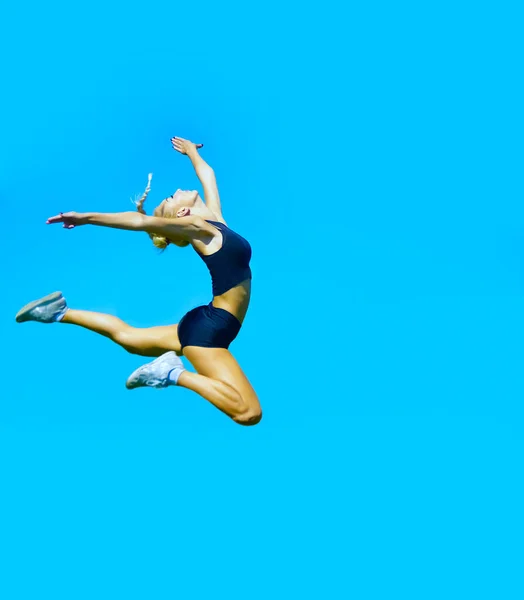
x=147 y=341
x=220 y=380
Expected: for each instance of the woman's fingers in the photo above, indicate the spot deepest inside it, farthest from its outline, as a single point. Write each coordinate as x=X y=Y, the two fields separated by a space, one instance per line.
x=58 y=219
x=179 y=143
x=61 y=218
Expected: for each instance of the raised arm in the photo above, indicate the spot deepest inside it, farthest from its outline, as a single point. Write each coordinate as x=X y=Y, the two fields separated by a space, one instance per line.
x=204 y=172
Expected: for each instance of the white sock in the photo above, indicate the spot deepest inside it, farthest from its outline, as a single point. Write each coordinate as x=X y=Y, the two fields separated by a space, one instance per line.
x=174 y=374
x=60 y=315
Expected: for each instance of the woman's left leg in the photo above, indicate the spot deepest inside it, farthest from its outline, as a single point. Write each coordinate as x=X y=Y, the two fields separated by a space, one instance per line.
x=146 y=341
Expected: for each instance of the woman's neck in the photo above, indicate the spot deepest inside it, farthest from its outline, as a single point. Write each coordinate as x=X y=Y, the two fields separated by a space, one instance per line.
x=201 y=210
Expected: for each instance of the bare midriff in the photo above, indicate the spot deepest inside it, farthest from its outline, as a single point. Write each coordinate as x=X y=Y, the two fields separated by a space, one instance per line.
x=235 y=300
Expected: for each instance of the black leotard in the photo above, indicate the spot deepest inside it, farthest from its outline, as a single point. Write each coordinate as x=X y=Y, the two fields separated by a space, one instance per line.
x=228 y=266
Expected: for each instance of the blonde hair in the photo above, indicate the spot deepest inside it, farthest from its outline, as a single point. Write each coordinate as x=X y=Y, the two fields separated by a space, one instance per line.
x=160 y=211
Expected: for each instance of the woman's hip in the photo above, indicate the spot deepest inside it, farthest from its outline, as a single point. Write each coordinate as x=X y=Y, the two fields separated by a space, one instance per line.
x=208 y=326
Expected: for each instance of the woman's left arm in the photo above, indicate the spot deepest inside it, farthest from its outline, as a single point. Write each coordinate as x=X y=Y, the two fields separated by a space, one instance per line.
x=183 y=228
x=132 y=221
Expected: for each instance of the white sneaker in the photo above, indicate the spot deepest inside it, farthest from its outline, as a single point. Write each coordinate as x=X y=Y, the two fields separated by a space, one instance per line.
x=155 y=374
x=46 y=310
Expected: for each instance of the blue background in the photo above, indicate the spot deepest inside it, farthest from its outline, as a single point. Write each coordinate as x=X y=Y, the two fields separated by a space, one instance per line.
x=372 y=154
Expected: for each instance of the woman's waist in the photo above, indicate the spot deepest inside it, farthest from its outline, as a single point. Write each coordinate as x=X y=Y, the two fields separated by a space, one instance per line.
x=236 y=300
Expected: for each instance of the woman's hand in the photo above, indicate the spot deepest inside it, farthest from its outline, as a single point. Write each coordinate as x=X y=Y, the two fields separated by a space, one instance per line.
x=184 y=146
x=68 y=219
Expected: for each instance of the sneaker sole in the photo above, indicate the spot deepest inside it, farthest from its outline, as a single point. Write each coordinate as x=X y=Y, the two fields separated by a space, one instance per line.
x=23 y=314
x=131 y=385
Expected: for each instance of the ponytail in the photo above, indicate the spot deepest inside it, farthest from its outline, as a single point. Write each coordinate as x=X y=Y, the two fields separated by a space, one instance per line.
x=140 y=203
x=158 y=240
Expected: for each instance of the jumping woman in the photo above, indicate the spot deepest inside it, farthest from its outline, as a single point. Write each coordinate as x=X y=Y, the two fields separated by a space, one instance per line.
x=204 y=334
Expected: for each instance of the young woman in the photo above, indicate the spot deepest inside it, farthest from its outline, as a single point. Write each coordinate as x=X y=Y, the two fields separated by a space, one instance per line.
x=204 y=334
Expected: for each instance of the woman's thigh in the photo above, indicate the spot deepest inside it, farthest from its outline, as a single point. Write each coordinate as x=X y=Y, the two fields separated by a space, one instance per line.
x=150 y=341
x=220 y=364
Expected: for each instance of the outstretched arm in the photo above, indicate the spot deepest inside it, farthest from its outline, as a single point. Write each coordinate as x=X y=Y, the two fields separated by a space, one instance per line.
x=184 y=228
x=204 y=172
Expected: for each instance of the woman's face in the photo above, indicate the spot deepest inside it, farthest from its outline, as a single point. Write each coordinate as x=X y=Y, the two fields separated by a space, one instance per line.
x=182 y=199
x=178 y=205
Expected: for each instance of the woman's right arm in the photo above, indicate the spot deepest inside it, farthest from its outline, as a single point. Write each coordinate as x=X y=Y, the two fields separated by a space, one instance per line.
x=204 y=172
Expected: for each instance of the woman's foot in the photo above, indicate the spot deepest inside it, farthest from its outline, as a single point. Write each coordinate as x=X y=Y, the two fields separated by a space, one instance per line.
x=49 y=309
x=160 y=373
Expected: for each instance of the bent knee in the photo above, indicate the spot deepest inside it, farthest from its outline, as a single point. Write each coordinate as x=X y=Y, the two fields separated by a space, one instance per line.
x=250 y=416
